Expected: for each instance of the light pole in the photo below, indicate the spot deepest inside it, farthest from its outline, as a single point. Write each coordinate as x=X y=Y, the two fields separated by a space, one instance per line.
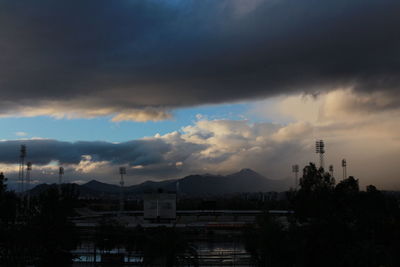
x=320 y=149
x=60 y=174
x=122 y=171
x=22 y=156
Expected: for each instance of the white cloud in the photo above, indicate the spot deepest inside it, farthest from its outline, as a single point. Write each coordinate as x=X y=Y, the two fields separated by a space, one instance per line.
x=87 y=165
x=20 y=134
x=362 y=127
x=74 y=110
x=225 y=146
x=354 y=126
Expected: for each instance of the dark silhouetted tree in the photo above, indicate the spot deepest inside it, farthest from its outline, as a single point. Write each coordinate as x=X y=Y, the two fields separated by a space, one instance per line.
x=314 y=198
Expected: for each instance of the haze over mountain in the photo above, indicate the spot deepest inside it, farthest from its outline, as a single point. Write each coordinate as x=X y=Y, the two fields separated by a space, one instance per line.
x=245 y=180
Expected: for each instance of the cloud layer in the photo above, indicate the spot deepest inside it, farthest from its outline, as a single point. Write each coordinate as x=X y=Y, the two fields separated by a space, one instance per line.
x=217 y=146
x=137 y=60
x=366 y=137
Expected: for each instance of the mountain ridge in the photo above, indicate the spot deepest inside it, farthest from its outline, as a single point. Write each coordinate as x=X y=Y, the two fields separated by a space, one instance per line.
x=244 y=181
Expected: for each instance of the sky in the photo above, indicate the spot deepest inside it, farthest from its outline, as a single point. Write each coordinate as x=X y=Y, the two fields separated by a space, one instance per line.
x=169 y=88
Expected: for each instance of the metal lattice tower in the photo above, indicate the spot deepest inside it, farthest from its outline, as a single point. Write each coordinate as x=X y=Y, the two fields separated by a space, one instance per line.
x=28 y=181
x=320 y=149
x=295 y=170
x=21 y=173
x=344 y=166
x=122 y=171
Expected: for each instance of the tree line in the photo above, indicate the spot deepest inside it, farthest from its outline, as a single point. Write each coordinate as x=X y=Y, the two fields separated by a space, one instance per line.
x=332 y=225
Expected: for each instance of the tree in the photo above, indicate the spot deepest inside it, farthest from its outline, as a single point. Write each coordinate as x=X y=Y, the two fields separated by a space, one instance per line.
x=42 y=237
x=8 y=203
x=55 y=235
x=314 y=179
x=314 y=199
x=348 y=186
x=3 y=186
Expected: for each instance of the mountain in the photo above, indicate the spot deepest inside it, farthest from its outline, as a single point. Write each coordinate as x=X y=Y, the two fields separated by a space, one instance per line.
x=245 y=180
x=39 y=189
x=151 y=186
x=97 y=186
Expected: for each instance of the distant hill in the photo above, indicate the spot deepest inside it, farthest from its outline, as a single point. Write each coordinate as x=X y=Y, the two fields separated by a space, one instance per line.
x=245 y=180
x=39 y=189
x=43 y=187
x=96 y=186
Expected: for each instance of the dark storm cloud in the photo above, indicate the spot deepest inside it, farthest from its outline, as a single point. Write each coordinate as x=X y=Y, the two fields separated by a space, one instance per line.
x=41 y=152
x=124 y=56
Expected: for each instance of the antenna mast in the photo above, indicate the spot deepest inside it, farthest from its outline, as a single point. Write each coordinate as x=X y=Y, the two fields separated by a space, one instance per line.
x=122 y=171
x=320 y=149
x=295 y=169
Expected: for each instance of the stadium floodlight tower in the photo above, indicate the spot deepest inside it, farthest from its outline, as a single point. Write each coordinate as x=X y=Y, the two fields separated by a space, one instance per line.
x=295 y=170
x=28 y=181
x=344 y=166
x=60 y=175
x=331 y=170
x=122 y=172
x=320 y=149
x=22 y=156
